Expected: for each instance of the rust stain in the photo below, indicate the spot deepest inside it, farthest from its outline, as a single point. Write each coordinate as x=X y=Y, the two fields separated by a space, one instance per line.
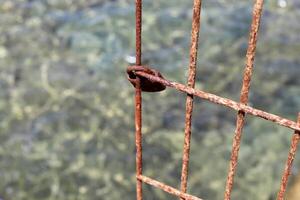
x=257 y=12
x=138 y=136
x=167 y=188
x=289 y=163
x=190 y=98
x=224 y=101
x=138 y=31
x=145 y=79
x=138 y=102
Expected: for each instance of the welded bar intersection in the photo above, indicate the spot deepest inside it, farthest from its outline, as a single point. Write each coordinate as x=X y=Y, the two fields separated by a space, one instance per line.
x=150 y=80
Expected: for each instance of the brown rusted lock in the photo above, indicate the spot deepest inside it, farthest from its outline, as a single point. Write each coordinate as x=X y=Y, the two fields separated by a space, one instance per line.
x=146 y=84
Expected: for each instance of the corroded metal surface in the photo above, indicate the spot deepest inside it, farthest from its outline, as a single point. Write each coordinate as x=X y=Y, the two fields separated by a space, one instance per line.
x=190 y=98
x=138 y=136
x=257 y=12
x=167 y=188
x=146 y=84
x=149 y=80
x=138 y=31
x=289 y=163
x=138 y=102
x=225 y=102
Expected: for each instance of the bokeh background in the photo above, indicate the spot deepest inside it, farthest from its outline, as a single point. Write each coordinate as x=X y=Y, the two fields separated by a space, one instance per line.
x=66 y=108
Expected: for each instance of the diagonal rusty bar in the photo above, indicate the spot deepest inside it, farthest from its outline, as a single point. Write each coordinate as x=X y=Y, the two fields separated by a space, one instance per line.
x=289 y=163
x=189 y=99
x=224 y=101
x=257 y=11
x=138 y=102
x=167 y=188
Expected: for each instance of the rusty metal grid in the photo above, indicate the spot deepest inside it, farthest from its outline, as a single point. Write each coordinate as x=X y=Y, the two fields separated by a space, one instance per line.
x=145 y=79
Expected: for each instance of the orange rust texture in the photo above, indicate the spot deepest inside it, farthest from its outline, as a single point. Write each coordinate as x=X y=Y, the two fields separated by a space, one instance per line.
x=190 y=98
x=149 y=80
x=138 y=102
x=138 y=31
x=289 y=163
x=223 y=101
x=167 y=188
x=138 y=137
x=257 y=11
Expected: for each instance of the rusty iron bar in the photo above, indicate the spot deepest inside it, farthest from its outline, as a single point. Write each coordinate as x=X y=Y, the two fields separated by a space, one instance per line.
x=223 y=101
x=244 y=98
x=138 y=31
x=289 y=163
x=190 y=98
x=167 y=188
x=138 y=137
x=145 y=79
x=138 y=102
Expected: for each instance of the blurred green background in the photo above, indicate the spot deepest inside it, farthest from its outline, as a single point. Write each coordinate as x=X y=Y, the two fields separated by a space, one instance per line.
x=66 y=108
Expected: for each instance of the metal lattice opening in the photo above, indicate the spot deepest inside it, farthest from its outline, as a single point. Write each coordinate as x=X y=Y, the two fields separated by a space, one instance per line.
x=145 y=79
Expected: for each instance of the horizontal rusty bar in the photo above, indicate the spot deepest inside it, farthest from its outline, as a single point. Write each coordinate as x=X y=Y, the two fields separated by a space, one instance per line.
x=224 y=101
x=167 y=188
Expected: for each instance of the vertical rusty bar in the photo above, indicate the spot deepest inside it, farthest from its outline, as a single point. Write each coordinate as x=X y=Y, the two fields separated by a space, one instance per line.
x=189 y=100
x=257 y=11
x=138 y=138
x=289 y=163
x=138 y=102
x=138 y=31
